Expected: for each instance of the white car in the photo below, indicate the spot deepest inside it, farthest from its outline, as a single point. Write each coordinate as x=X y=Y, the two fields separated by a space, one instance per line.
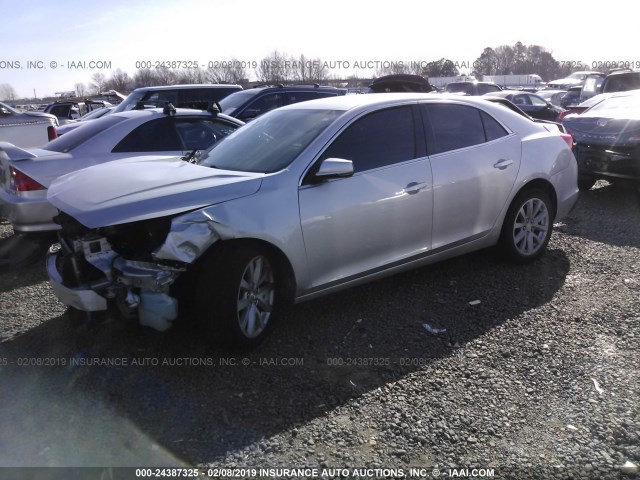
x=25 y=174
x=305 y=200
x=26 y=129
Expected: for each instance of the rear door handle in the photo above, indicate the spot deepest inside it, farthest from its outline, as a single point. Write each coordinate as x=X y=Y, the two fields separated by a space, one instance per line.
x=502 y=164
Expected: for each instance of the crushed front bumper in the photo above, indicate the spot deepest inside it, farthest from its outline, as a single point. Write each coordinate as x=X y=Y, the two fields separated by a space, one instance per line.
x=81 y=298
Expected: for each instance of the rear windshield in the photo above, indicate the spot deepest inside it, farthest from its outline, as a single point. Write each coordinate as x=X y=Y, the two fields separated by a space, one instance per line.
x=622 y=83
x=76 y=137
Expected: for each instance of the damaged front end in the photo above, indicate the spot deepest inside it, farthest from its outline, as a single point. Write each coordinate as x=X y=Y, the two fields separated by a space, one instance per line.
x=131 y=266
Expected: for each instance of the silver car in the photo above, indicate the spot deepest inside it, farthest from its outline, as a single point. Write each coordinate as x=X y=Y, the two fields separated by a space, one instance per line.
x=307 y=200
x=25 y=174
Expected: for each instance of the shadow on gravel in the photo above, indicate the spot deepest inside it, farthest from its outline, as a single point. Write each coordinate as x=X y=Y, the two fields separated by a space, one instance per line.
x=605 y=201
x=172 y=396
x=22 y=260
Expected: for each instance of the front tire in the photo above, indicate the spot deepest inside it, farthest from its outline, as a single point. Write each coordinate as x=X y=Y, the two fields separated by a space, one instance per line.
x=237 y=296
x=527 y=226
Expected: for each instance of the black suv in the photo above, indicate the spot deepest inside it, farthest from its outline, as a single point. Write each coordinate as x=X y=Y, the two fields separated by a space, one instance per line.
x=621 y=81
x=251 y=103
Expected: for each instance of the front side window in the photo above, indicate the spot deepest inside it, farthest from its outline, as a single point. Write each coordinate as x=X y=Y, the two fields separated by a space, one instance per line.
x=158 y=135
x=378 y=139
x=453 y=127
x=262 y=105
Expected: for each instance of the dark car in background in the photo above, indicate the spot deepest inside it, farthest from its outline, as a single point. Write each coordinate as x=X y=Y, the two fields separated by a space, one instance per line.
x=621 y=81
x=532 y=104
x=251 y=103
x=552 y=96
x=607 y=139
x=572 y=97
x=401 y=83
x=472 y=88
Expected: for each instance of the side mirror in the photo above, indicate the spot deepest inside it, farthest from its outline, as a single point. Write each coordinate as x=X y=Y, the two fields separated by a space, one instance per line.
x=334 y=168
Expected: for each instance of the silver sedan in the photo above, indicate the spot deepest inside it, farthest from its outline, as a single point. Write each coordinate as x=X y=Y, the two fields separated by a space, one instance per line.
x=307 y=200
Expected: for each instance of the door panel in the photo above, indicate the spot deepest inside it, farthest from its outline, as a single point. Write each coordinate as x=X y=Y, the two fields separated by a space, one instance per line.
x=470 y=188
x=374 y=218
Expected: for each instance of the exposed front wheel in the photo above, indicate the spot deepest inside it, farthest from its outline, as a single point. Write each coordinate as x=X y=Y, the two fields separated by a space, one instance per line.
x=237 y=296
x=527 y=226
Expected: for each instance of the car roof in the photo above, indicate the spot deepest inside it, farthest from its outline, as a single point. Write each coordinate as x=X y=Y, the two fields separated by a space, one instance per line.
x=349 y=102
x=187 y=86
x=179 y=112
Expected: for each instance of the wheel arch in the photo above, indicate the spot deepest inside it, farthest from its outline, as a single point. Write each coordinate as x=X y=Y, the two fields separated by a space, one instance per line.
x=282 y=263
x=546 y=186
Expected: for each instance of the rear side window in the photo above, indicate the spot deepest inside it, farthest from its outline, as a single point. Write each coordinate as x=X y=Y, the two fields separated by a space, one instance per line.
x=376 y=140
x=492 y=129
x=452 y=127
x=158 y=135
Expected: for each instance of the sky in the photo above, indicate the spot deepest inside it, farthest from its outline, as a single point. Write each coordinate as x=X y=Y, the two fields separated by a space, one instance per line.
x=48 y=47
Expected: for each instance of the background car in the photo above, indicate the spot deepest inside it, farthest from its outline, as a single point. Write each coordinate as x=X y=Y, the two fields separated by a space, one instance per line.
x=576 y=79
x=93 y=115
x=401 y=83
x=531 y=104
x=199 y=96
x=26 y=129
x=472 y=88
x=306 y=200
x=572 y=97
x=607 y=139
x=621 y=80
x=552 y=96
x=25 y=174
x=251 y=103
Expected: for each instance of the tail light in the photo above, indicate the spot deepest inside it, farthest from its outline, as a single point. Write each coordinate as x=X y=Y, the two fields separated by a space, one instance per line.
x=52 y=133
x=567 y=138
x=21 y=182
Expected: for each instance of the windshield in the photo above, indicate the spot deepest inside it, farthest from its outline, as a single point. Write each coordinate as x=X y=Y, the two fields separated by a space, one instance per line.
x=231 y=103
x=270 y=142
x=11 y=109
x=71 y=140
x=94 y=114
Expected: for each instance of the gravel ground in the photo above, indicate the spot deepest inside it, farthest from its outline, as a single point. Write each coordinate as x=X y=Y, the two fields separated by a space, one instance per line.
x=537 y=380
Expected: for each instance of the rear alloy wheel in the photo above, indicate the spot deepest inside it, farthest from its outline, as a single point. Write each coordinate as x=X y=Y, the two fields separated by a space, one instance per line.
x=237 y=297
x=527 y=226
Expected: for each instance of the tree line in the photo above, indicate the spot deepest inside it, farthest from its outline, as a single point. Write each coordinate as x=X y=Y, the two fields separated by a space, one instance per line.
x=281 y=67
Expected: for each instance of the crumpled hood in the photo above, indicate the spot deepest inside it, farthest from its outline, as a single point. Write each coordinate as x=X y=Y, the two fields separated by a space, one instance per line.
x=138 y=189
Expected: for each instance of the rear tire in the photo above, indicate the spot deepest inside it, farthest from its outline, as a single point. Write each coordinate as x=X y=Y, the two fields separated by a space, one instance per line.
x=237 y=297
x=527 y=226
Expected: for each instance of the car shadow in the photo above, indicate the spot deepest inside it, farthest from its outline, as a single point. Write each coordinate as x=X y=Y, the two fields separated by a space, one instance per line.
x=22 y=260
x=115 y=394
x=605 y=200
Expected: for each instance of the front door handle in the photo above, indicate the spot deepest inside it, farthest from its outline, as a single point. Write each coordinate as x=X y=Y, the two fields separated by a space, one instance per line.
x=502 y=164
x=415 y=187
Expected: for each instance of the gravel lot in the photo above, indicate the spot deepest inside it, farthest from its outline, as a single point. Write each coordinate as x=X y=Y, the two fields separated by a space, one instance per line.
x=538 y=380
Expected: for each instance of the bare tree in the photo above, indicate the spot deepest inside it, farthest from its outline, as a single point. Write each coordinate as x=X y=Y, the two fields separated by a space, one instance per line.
x=80 y=89
x=275 y=68
x=145 y=77
x=98 y=81
x=119 y=81
x=166 y=76
x=232 y=71
x=7 y=92
x=309 y=70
